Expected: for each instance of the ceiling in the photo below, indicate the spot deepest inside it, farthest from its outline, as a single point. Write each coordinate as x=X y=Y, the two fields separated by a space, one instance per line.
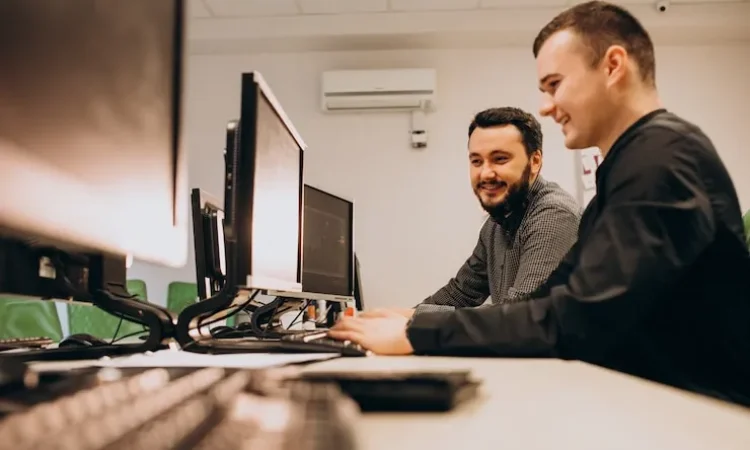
x=231 y=26
x=275 y=8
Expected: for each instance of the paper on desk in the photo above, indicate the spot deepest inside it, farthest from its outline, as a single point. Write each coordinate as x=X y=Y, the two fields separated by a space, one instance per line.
x=62 y=366
x=179 y=358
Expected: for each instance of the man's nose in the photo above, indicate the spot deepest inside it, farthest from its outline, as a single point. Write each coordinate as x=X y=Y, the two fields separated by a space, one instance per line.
x=547 y=108
x=487 y=173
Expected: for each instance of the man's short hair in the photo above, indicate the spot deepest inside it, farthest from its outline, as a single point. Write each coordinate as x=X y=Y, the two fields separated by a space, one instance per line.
x=531 y=131
x=601 y=25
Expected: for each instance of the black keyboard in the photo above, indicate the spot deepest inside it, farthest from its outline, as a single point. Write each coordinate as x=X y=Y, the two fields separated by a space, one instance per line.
x=27 y=342
x=71 y=353
x=169 y=409
x=313 y=342
x=320 y=338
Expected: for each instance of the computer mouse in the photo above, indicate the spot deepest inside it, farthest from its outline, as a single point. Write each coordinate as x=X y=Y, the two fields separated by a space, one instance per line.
x=82 y=340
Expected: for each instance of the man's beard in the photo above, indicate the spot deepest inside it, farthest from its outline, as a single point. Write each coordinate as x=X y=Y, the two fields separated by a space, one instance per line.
x=515 y=198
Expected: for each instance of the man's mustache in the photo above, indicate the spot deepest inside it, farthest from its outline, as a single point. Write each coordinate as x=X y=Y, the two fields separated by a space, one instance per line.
x=491 y=184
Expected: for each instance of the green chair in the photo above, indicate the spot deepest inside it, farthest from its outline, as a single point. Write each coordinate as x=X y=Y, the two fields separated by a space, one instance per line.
x=747 y=228
x=137 y=288
x=181 y=294
x=94 y=321
x=29 y=318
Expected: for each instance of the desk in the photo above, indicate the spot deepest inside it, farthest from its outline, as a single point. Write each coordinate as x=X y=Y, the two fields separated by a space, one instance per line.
x=553 y=405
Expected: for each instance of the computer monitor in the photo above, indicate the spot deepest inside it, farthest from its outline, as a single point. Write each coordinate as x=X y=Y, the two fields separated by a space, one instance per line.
x=208 y=239
x=90 y=127
x=328 y=243
x=263 y=192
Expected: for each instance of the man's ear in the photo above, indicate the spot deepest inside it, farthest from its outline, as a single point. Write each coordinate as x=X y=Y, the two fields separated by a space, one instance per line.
x=536 y=162
x=614 y=64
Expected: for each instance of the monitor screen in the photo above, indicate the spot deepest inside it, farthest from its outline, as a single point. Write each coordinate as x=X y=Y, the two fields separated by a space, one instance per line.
x=90 y=126
x=327 y=243
x=268 y=191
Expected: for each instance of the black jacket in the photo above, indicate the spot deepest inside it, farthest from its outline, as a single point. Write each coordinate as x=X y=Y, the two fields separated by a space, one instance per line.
x=657 y=285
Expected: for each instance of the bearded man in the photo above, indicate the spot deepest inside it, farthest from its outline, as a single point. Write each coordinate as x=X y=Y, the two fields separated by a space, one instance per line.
x=532 y=222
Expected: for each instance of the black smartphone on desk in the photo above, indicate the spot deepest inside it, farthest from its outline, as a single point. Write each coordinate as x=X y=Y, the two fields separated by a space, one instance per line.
x=403 y=391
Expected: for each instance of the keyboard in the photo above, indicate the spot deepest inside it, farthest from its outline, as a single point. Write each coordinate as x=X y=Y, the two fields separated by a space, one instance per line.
x=170 y=409
x=27 y=342
x=321 y=339
x=316 y=342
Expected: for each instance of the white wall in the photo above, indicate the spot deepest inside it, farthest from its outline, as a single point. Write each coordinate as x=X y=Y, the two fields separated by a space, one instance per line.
x=417 y=219
x=709 y=86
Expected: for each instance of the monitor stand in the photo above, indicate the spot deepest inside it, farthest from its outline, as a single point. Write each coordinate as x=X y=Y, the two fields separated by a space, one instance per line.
x=338 y=303
x=310 y=296
x=51 y=273
x=230 y=300
x=157 y=320
x=194 y=319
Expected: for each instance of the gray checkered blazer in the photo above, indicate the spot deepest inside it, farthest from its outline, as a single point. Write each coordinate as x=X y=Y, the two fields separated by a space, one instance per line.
x=513 y=258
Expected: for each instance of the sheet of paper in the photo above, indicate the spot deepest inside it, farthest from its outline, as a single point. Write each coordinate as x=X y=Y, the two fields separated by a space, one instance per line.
x=61 y=366
x=179 y=358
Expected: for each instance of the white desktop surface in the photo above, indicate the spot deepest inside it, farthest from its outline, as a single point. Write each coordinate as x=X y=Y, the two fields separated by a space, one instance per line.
x=541 y=404
x=552 y=405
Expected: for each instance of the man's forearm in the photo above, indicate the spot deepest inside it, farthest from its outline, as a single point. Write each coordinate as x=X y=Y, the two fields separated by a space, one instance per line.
x=460 y=293
x=431 y=307
x=602 y=300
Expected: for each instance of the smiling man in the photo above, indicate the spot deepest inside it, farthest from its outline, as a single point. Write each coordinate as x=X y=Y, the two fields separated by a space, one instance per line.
x=532 y=222
x=658 y=283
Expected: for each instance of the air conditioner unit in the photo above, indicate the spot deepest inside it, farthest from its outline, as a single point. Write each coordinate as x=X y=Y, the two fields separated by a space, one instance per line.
x=379 y=90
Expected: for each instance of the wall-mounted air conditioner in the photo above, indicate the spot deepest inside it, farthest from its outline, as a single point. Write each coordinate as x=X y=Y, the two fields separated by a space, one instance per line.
x=379 y=90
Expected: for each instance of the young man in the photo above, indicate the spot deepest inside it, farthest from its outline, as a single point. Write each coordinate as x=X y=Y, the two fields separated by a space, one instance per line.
x=657 y=283
x=532 y=222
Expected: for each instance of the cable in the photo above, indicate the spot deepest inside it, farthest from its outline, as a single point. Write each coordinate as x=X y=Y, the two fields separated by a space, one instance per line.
x=304 y=307
x=268 y=325
x=135 y=333
x=237 y=309
x=325 y=317
x=119 y=324
x=117 y=330
x=328 y=309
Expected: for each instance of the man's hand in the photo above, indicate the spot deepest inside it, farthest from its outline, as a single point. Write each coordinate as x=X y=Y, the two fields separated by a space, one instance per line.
x=387 y=312
x=385 y=335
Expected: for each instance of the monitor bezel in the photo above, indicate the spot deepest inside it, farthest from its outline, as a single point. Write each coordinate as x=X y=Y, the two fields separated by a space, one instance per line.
x=200 y=201
x=253 y=86
x=350 y=203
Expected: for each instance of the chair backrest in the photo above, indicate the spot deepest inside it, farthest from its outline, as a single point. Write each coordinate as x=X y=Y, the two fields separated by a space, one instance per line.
x=138 y=288
x=20 y=317
x=180 y=294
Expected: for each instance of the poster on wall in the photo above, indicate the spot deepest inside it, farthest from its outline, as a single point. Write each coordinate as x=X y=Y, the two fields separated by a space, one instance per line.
x=591 y=158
